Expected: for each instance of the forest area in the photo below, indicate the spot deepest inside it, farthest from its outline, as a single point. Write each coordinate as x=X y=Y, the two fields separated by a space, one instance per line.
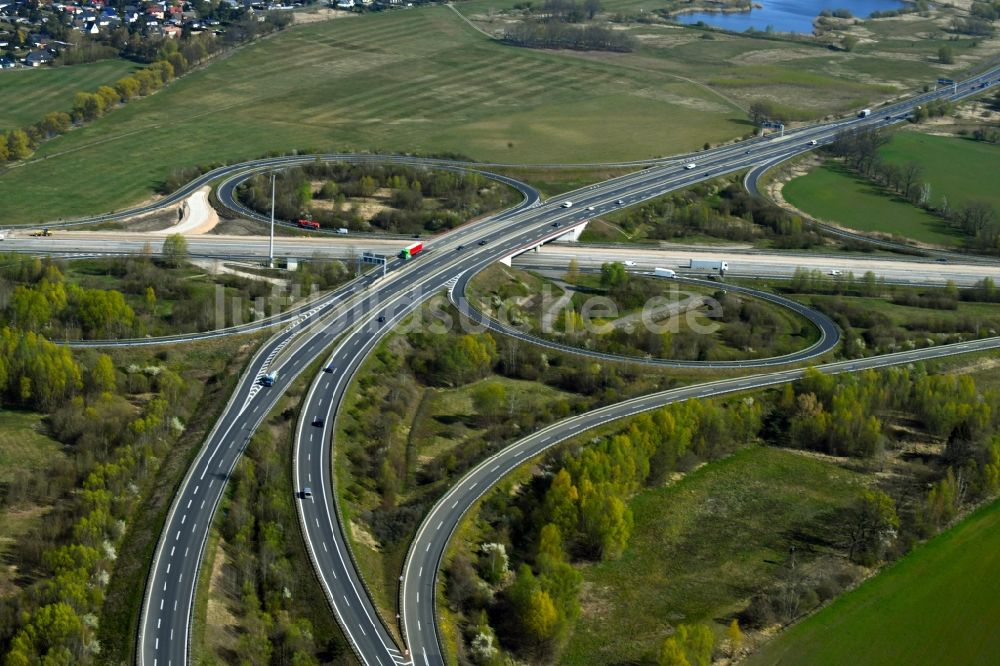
x=123 y=425
x=138 y=296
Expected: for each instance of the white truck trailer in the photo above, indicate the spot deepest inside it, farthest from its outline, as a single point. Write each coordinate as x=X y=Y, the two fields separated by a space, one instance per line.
x=664 y=272
x=719 y=265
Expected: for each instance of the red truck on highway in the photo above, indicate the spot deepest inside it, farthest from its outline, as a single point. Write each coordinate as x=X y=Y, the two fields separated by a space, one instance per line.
x=308 y=224
x=410 y=251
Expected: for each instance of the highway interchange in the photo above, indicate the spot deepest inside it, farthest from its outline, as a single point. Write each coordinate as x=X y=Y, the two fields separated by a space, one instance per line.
x=352 y=319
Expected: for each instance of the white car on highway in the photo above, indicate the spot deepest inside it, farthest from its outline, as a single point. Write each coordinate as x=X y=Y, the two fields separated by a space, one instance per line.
x=590 y=207
x=630 y=264
x=690 y=166
x=567 y=204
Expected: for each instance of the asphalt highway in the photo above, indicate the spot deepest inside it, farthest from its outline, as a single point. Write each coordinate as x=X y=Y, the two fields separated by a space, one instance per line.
x=353 y=320
x=164 y=628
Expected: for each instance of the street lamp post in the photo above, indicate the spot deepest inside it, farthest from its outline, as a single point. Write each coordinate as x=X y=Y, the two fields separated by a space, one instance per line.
x=270 y=246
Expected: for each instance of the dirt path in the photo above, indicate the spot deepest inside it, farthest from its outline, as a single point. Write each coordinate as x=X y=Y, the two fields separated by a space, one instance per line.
x=198 y=217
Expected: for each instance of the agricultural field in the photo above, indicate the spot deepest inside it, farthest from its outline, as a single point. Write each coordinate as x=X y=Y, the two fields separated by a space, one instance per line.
x=29 y=94
x=930 y=607
x=700 y=546
x=832 y=193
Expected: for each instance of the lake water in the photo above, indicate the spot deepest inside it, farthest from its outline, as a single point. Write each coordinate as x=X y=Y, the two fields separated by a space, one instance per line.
x=787 y=15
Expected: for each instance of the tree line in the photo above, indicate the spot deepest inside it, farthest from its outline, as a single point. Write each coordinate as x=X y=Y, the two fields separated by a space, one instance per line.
x=860 y=150
x=260 y=529
x=722 y=211
x=868 y=330
x=555 y=35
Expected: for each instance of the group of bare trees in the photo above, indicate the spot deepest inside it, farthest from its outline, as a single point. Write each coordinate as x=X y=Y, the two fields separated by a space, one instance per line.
x=555 y=35
x=551 y=26
x=861 y=151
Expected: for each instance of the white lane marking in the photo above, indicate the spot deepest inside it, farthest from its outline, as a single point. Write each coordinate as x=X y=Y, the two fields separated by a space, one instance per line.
x=177 y=536
x=168 y=567
x=183 y=518
x=421 y=572
x=189 y=503
x=427 y=663
x=418 y=626
x=418 y=597
x=495 y=468
x=159 y=621
x=455 y=504
x=324 y=547
x=202 y=504
x=186 y=552
x=175 y=605
x=172 y=549
x=161 y=604
x=439 y=526
x=363 y=630
x=427 y=548
x=518 y=453
x=210 y=482
x=346 y=600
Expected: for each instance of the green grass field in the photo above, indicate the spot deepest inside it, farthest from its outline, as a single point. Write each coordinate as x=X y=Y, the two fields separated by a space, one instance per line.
x=23 y=449
x=961 y=169
x=701 y=547
x=832 y=193
x=23 y=445
x=938 y=605
x=29 y=94
x=419 y=81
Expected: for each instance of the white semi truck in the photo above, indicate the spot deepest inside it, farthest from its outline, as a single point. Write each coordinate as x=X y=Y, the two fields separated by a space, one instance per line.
x=664 y=272
x=864 y=113
x=719 y=265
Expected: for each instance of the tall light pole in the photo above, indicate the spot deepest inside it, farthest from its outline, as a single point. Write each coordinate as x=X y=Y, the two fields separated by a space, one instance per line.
x=270 y=246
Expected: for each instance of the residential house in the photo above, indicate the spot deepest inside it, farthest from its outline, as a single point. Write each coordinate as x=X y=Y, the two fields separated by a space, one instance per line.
x=38 y=58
